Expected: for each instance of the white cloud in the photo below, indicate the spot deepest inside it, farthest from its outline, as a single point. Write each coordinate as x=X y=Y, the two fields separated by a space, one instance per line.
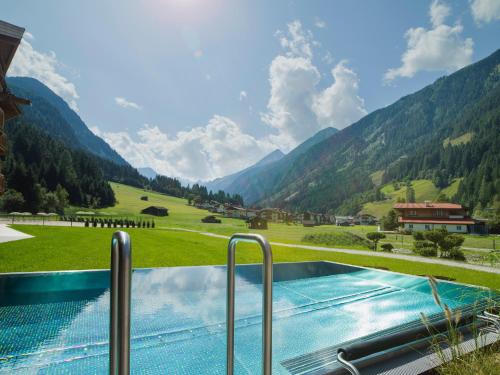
x=340 y=105
x=328 y=58
x=243 y=95
x=297 y=108
x=29 y=62
x=440 y=48
x=124 y=103
x=28 y=35
x=485 y=11
x=319 y=23
x=297 y=42
x=202 y=153
x=438 y=13
x=293 y=87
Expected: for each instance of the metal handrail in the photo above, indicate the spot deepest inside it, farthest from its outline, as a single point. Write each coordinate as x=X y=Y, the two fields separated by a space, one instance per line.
x=347 y=365
x=121 y=278
x=267 y=300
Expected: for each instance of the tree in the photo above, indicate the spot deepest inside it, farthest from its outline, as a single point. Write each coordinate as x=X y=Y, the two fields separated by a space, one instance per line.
x=62 y=199
x=12 y=201
x=410 y=194
x=375 y=237
x=390 y=222
x=435 y=236
x=442 y=198
x=425 y=248
x=450 y=246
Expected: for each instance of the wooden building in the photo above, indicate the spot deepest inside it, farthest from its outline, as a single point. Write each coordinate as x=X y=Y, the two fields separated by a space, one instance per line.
x=257 y=222
x=10 y=37
x=428 y=216
x=155 y=210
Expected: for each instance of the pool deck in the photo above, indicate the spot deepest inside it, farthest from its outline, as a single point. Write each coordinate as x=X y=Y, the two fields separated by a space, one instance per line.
x=8 y=234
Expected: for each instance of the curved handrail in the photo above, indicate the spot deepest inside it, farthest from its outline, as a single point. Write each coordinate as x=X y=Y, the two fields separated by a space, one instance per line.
x=347 y=365
x=120 y=291
x=267 y=299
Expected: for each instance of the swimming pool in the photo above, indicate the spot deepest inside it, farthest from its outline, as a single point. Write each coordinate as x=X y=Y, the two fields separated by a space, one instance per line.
x=58 y=322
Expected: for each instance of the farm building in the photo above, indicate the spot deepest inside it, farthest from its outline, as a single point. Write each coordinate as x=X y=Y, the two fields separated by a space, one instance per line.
x=257 y=223
x=365 y=219
x=155 y=210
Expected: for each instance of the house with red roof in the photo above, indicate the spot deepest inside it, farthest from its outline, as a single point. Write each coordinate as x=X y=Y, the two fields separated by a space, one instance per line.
x=428 y=216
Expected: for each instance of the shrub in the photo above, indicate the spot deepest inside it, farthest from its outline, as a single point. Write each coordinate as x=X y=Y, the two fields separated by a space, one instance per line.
x=436 y=236
x=387 y=247
x=375 y=237
x=450 y=246
x=418 y=236
x=425 y=248
x=456 y=254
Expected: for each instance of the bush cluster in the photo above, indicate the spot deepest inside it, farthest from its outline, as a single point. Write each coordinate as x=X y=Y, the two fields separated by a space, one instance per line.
x=448 y=244
x=110 y=223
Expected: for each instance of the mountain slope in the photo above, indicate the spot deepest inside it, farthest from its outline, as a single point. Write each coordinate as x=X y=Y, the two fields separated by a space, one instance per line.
x=223 y=183
x=78 y=134
x=255 y=183
x=404 y=140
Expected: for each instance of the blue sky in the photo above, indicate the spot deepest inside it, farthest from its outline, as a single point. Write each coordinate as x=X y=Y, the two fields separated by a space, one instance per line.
x=201 y=88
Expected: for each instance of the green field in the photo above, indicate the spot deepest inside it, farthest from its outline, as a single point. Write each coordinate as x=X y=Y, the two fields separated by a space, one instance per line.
x=60 y=248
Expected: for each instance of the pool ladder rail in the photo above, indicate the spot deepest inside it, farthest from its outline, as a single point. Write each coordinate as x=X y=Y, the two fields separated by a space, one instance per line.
x=120 y=297
x=120 y=293
x=492 y=323
x=267 y=299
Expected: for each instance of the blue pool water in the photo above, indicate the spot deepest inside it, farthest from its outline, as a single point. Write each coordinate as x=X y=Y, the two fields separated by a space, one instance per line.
x=58 y=323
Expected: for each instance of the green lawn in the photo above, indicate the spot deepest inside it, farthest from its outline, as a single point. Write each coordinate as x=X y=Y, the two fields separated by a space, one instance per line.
x=60 y=248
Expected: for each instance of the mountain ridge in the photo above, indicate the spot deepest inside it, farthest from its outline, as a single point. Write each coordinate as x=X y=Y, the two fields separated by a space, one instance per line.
x=36 y=91
x=250 y=183
x=334 y=174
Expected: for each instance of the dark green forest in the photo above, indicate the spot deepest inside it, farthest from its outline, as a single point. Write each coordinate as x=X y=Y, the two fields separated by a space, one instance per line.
x=37 y=164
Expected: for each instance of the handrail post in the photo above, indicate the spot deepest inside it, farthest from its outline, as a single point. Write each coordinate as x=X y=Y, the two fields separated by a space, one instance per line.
x=120 y=291
x=267 y=300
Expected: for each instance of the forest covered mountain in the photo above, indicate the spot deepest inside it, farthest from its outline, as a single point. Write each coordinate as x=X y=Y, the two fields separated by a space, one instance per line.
x=77 y=133
x=224 y=183
x=449 y=129
x=255 y=182
x=55 y=160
